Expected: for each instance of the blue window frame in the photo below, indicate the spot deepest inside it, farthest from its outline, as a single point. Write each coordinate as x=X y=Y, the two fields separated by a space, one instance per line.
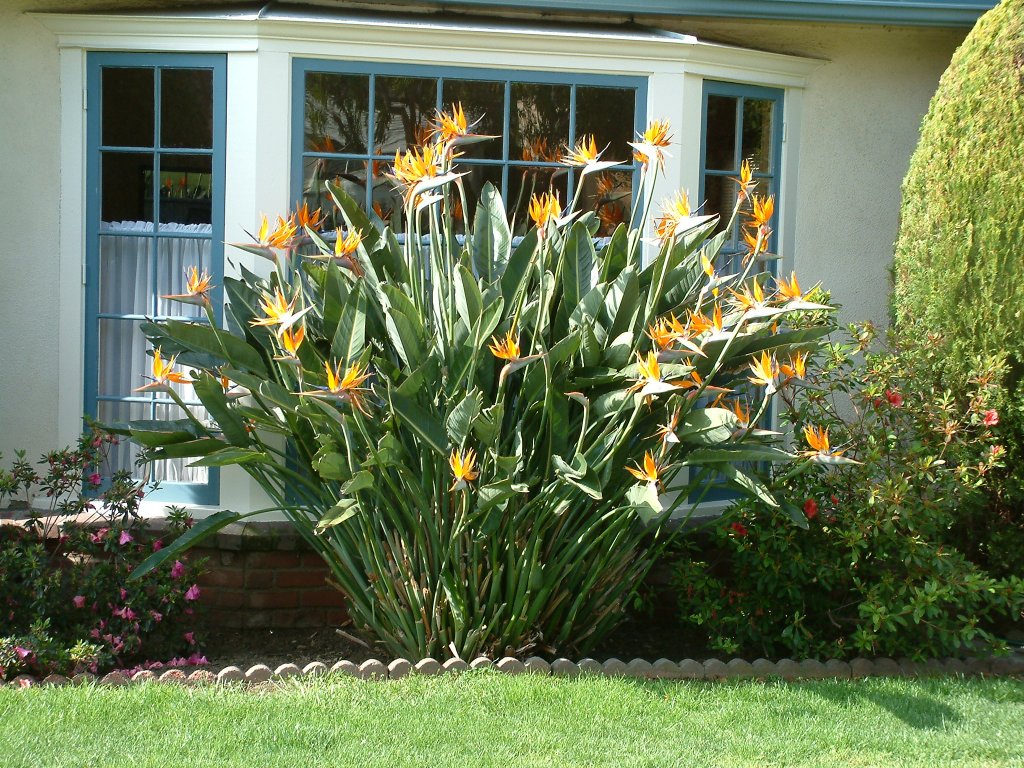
x=349 y=119
x=738 y=122
x=154 y=207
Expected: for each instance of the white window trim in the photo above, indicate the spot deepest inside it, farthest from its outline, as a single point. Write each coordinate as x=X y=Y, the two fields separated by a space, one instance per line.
x=260 y=52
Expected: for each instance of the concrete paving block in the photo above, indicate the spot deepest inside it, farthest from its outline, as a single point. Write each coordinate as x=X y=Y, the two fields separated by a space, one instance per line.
x=114 y=678
x=55 y=680
x=427 y=667
x=83 y=678
x=715 y=669
x=202 y=677
x=314 y=669
x=373 y=669
x=24 y=681
x=838 y=669
x=763 y=669
x=640 y=668
x=812 y=669
x=861 y=667
x=589 y=666
x=978 y=666
x=886 y=667
x=537 y=666
x=399 y=668
x=287 y=670
x=481 y=662
x=614 y=668
x=345 y=667
x=787 y=669
x=1008 y=665
x=510 y=666
x=739 y=669
x=454 y=666
x=564 y=668
x=178 y=677
x=691 y=669
x=664 y=669
x=908 y=667
x=230 y=674
x=955 y=667
x=257 y=673
x=933 y=668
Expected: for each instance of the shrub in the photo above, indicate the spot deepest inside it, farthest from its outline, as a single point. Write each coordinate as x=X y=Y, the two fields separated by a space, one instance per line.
x=959 y=277
x=875 y=565
x=65 y=601
x=473 y=431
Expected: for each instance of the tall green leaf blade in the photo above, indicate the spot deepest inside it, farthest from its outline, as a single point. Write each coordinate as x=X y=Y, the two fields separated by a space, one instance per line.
x=211 y=394
x=577 y=265
x=492 y=240
x=460 y=420
x=350 y=338
x=421 y=422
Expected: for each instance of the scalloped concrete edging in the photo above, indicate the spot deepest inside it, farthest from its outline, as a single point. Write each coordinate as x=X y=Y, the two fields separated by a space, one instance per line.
x=661 y=669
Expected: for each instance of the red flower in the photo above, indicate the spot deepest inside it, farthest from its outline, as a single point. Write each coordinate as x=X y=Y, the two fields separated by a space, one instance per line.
x=811 y=509
x=739 y=528
x=895 y=398
x=991 y=417
x=79 y=601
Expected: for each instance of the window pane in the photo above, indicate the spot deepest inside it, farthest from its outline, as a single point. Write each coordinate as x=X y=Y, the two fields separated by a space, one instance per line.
x=122 y=358
x=524 y=182
x=721 y=133
x=186 y=108
x=186 y=186
x=607 y=114
x=127 y=186
x=124 y=280
x=177 y=470
x=350 y=175
x=757 y=133
x=123 y=455
x=175 y=256
x=127 y=107
x=337 y=119
x=610 y=193
x=720 y=198
x=404 y=108
x=477 y=176
x=484 y=105
x=539 y=123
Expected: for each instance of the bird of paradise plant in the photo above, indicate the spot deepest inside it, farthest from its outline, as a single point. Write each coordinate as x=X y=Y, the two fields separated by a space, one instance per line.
x=474 y=432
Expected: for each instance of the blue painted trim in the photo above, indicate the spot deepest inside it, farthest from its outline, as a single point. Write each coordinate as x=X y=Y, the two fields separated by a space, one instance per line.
x=302 y=66
x=916 y=13
x=187 y=493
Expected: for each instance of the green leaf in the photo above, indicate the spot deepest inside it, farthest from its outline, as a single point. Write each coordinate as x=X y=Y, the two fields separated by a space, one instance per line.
x=354 y=215
x=468 y=301
x=577 y=265
x=644 y=499
x=211 y=394
x=708 y=426
x=518 y=268
x=488 y=424
x=741 y=452
x=339 y=513
x=421 y=422
x=232 y=455
x=199 y=531
x=201 y=337
x=202 y=447
x=579 y=475
x=361 y=481
x=492 y=240
x=350 y=338
x=331 y=465
x=614 y=256
x=747 y=483
x=460 y=420
x=795 y=514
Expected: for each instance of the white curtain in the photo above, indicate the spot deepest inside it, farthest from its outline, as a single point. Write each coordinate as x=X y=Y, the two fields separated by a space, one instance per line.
x=128 y=286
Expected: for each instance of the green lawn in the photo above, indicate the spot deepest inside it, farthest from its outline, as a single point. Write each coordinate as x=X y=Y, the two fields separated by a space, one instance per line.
x=484 y=719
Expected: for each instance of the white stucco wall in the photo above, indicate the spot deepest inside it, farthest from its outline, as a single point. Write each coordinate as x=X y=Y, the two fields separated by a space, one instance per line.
x=859 y=120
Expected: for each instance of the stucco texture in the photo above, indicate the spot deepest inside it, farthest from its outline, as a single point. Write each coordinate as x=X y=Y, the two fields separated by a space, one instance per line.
x=861 y=114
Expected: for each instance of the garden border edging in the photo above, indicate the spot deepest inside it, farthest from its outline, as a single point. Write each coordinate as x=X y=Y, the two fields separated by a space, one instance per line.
x=713 y=670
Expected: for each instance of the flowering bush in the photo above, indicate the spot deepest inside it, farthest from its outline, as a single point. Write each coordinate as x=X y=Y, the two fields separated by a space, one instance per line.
x=473 y=431
x=878 y=564
x=65 y=601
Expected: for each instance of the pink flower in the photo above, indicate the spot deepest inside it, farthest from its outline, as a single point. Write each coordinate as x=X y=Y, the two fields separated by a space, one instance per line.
x=177 y=570
x=193 y=592
x=157 y=545
x=94 y=633
x=23 y=653
x=25 y=682
x=190 y=638
x=996 y=451
x=124 y=593
x=197 y=660
x=157 y=616
x=97 y=538
x=991 y=417
x=811 y=509
x=94 y=478
x=79 y=601
x=124 y=538
x=895 y=398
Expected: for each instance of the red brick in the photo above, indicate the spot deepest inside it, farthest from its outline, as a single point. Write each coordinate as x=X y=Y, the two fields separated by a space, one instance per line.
x=226 y=598
x=303 y=578
x=309 y=618
x=313 y=560
x=273 y=599
x=335 y=618
x=228 y=619
x=223 y=577
x=326 y=598
x=260 y=579
x=273 y=560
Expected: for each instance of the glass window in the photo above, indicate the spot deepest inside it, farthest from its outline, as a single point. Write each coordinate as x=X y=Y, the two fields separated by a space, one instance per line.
x=534 y=116
x=156 y=156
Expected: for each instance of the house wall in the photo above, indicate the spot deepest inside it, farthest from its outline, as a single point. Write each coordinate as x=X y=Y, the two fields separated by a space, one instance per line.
x=858 y=124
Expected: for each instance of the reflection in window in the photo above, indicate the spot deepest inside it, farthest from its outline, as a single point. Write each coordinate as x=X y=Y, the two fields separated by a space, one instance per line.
x=533 y=120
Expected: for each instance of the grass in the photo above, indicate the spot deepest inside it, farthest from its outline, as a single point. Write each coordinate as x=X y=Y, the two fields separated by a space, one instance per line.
x=484 y=719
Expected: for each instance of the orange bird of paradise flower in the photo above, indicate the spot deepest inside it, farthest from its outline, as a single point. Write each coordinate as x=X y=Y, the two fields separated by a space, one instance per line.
x=507 y=348
x=543 y=209
x=764 y=369
x=196 y=288
x=463 y=464
x=163 y=374
x=344 y=384
x=650 y=472
x=279 y=311
x=675 y=214
x=650 y=145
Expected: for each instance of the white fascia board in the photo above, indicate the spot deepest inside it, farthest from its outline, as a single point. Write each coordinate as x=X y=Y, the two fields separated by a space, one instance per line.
x=528 y=47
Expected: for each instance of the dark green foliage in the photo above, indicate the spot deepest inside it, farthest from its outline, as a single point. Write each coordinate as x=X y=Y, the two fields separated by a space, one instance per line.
x=959 y=268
